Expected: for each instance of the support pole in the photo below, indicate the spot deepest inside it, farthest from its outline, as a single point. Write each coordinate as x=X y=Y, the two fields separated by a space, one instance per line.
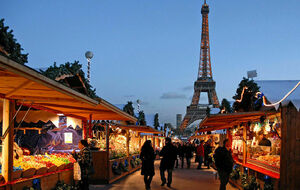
x=127 y=142
x=7 y=151
x=244 y=143
x=84 y=130
x=107 y=152
x=90 y=135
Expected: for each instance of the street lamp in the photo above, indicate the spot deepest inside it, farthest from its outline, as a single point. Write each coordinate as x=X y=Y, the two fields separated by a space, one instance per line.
x=89 y=55
x=138 y=105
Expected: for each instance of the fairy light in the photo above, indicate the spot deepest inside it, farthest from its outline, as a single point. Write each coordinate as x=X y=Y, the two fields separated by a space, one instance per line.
x=242 y=95
x=267 y=126
x=274 y=104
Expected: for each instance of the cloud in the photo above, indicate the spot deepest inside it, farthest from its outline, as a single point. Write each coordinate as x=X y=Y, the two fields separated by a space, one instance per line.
x=129 y=96
x=187 y=88
x=172 y=95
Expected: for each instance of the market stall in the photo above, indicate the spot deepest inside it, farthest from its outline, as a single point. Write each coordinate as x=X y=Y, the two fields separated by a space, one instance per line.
x=116 y=150
x=263 y=146
x=24 y=88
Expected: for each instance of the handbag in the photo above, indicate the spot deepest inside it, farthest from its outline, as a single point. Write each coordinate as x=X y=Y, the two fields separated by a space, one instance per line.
x=77 y=171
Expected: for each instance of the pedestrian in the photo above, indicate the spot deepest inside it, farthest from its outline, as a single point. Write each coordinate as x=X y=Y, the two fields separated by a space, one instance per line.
x=147 y=156
x=181 y=150
x=177 y=154
x=188 y=154
x=84 y=158
x=167 y=162
x=200 y=154
x=224 y=163
x=207 y=152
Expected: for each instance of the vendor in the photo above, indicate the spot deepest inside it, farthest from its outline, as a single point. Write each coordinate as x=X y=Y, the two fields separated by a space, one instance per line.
x=264 y=141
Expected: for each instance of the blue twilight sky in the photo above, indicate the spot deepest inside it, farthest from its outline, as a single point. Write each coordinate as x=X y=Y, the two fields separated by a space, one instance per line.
x=149 y=49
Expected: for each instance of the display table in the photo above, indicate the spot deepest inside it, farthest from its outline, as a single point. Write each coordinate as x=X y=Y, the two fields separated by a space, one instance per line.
x=103 y=167
x=48 y=181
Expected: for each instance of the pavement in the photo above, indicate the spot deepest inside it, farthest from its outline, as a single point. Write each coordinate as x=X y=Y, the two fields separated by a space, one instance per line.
x=183 y=179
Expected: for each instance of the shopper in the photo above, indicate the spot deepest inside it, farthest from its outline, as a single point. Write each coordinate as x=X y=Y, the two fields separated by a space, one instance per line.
x=200 y=154
x=224 y=163
x=167 y=162
x=177 y=153
x=84 y=158
x=181 y=151
x=188 y=154
x=207 y=152
x=147 y=156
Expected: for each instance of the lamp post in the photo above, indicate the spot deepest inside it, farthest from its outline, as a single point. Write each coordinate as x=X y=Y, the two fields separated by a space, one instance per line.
x=89 y=55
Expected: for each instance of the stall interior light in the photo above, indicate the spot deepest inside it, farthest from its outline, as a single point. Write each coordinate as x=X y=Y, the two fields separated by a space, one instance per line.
x=60 y=114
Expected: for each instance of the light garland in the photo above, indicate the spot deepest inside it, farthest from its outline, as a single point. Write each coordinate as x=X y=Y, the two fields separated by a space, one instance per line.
x=242 y=94
x=274 y=104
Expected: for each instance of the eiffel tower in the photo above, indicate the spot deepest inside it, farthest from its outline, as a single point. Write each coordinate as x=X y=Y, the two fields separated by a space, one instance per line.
x=204 y=82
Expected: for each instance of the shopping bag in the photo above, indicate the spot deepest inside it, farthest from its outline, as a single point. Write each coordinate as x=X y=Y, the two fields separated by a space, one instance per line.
x=77 y=171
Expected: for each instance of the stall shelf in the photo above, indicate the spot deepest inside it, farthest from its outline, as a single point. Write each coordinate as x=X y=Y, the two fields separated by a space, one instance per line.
x=241 y=127
x=109 y=169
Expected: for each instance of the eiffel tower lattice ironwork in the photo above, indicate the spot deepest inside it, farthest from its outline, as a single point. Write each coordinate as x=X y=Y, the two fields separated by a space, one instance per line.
x=204 y=82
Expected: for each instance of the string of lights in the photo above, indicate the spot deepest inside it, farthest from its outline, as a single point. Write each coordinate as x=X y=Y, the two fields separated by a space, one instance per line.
x=264 y=98
x=274 y=104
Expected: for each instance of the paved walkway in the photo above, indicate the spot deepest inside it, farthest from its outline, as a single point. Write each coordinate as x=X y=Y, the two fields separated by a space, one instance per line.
x=183 y=179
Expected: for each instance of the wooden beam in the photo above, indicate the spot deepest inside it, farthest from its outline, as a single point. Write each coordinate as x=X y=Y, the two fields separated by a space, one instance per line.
x=7 y=152
x=42 y=99
x=72 y=107
x=23 y=85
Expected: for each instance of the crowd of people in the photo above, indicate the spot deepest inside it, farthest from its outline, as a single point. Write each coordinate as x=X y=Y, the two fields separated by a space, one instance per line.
x=171 y=153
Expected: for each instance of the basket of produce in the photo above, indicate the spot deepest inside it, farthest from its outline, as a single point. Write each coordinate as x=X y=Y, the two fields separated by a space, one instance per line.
x=29 y=172
x=16 y=174
x=52 y=168
x=41 y=171
x=69 y=166
x=61 y=167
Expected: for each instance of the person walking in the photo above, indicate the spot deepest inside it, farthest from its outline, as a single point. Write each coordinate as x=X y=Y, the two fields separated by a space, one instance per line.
x=167 y=162
x=188 y=154
x=147 y=156
x=84 y=159
x=207 y=151
x=200 y=154
x=181 y=150
x=177 y=153
x=224 y=163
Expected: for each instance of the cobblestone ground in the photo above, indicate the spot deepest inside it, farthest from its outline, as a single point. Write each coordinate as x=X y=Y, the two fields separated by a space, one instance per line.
x=183 y=179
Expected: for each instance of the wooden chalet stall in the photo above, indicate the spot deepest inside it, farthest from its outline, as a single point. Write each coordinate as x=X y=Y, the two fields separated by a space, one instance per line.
x=120 y=155
x=22 y=86
x=275 y=159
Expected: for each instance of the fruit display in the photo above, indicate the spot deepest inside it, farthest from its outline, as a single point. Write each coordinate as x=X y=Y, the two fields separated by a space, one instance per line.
x=40 y=161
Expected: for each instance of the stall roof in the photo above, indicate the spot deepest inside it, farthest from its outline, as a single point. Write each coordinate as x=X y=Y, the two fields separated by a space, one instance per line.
x=29 y=87
x=223 y=121
x=141 y=129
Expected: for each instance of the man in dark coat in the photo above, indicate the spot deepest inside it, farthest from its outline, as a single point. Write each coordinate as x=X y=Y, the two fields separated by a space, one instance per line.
x=181 y=154
x=224 y=163
x=167 y=162
x=207 y=151
x=188 y=154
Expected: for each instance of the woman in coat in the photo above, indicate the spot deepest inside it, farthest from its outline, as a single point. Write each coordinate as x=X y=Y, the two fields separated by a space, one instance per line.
x=147 y=156
x=84 y=158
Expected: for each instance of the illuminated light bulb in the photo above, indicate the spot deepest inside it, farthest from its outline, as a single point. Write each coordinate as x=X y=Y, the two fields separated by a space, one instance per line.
x=267 y=126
